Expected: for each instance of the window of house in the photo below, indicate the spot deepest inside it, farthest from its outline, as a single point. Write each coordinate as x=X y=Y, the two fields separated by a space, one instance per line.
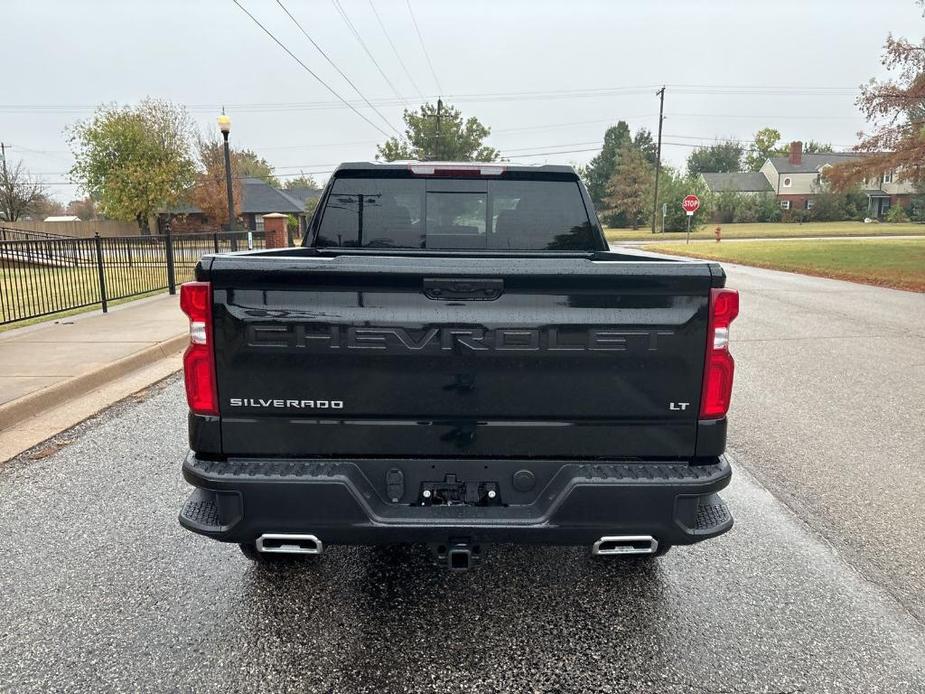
x=258 y=223
x=888 y=177
x=785 y=204
x=787 y=182
x=810 y=203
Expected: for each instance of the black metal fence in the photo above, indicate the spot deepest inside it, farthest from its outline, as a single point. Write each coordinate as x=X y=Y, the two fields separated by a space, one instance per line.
x=8 y=233
x=43 y=276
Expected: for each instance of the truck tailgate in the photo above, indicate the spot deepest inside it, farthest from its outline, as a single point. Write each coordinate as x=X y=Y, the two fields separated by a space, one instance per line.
x=411 y=356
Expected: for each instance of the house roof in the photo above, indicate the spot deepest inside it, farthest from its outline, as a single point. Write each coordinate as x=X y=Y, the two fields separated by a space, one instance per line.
x=737 y=182
x=257 y=197
x=301 y=194
x=810 y=163
x=182 y=207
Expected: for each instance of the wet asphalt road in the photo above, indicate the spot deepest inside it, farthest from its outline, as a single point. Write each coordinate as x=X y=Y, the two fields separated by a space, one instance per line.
x=829 y=414
x=100 y=590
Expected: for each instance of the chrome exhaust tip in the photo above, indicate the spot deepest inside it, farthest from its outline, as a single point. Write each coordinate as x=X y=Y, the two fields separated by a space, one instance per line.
x=625 y=544
x=283 y=543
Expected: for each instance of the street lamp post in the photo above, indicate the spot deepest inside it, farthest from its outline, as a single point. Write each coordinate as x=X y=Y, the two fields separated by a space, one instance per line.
x=224 y=124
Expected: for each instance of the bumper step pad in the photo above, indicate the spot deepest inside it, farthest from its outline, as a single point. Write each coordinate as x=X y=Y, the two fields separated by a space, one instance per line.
x=201 y=508
x=206 y=511
x=712 y=513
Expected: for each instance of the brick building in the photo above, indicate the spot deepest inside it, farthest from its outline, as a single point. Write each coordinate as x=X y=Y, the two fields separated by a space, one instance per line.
x=257 y=199
x=797 y=178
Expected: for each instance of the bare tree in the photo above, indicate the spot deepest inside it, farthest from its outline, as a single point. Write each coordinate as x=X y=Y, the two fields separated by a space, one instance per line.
x=20 y=192
x=85 y=208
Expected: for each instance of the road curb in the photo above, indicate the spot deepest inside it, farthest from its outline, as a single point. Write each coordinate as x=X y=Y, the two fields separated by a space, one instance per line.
x=34 y=404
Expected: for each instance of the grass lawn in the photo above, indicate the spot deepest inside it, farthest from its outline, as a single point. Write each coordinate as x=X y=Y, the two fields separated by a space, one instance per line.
x=28 y=290
x=898 y=263
x=780 y=230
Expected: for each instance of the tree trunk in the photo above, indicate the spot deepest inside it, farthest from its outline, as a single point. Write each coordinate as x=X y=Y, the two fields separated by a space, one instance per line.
x=142 y=221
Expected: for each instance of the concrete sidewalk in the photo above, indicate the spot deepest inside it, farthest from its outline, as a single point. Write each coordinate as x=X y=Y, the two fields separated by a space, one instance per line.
x=45 y=366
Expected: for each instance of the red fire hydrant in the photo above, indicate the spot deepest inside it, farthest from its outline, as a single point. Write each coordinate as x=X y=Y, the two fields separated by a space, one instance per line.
x=718 y=233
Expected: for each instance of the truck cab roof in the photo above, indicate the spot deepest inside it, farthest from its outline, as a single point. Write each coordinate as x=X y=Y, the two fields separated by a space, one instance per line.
x=485 y=168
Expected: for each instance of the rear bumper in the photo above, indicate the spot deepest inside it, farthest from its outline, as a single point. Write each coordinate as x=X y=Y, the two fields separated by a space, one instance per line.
x=348 y=502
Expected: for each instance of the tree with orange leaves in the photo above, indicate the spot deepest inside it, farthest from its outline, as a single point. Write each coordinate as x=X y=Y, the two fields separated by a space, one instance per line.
x=896 y=110
x=208 y=193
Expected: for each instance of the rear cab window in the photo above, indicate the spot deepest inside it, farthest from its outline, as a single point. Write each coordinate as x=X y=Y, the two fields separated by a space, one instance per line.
x=463 y=213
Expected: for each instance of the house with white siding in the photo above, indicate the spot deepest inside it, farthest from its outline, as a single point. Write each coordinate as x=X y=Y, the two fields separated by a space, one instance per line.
x=795 y=179
x=798 y=177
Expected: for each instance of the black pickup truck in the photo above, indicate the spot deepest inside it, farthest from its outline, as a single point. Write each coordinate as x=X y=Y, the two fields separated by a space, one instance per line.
x=456 y=357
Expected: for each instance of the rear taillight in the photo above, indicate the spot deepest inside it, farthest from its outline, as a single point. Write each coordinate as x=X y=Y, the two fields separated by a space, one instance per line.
x=198 y=361
x=717 y=377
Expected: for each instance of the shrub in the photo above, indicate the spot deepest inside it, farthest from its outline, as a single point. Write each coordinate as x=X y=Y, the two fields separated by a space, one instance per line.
x=746 y=208
x=828 y=207
x=614 y=219
x=673 y=188
x=727 y=207
x=897 y=214
x=917 y=208
x=770 y=210
x=855 y=205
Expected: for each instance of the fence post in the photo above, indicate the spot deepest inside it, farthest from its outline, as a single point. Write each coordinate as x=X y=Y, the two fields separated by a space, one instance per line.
x=99 y=269
x=171 y=273
x=215 y=240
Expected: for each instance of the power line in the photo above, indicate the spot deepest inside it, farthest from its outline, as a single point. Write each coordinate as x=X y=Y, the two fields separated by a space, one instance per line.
x=484 y=97
x=531 y=151
x=749 y=115
x=538 y=147
x=237 y=178
x=362 y=43
x=601 y=144
x=395 y=51
x=316 y=145
x=565 y=151
x=553 y=126
x=417 y=29
x=308 y=69
x=334 y=65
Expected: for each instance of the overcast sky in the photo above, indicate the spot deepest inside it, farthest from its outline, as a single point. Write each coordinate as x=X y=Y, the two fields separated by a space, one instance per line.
x=512 y=63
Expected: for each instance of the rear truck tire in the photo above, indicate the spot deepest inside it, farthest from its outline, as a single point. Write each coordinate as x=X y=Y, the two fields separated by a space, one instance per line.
x=249 y=550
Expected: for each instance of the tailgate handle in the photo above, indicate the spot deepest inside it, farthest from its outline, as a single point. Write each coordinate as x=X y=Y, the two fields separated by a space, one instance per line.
x=461 y=289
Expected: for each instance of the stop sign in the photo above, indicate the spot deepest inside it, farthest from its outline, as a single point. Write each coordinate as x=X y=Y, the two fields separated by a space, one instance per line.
x=691 y=204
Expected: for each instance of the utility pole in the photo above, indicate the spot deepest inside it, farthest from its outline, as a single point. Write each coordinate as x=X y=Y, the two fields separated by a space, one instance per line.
x=3 y=163
x=658 y=156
